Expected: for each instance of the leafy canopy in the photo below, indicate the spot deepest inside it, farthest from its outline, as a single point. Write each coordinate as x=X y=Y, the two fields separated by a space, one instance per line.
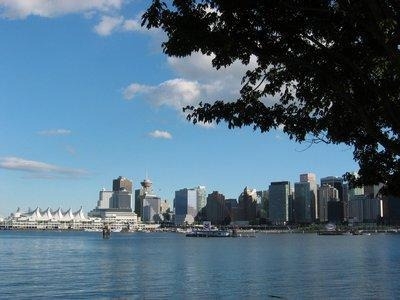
x=334 y=67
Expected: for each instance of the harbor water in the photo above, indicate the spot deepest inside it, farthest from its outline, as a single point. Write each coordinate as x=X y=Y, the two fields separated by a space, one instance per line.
x=82 y=265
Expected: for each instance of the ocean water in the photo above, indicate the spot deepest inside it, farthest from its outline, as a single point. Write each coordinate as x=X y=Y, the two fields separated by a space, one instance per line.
x=81 y=265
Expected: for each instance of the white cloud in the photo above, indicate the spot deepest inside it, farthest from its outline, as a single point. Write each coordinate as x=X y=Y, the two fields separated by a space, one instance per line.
x=197 y=81
x=54 y=132
x=176 y=92
x=159 y=134
x=111 y=24
x=108 y=24
x=206 y=125
x=19 y=9
x=45 y=169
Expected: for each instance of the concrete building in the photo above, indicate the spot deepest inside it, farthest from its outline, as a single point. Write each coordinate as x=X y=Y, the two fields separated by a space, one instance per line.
x=326 y=193
x=185 y=204
x=201 y=195
x=247 y=206
x=337 y=182
x=303 y=203
x=279 y=202
x=105 y=199
x=147 y=204
x=216 y=209
x=312 y=180
x=116 y=203
x=122 y=183
x=152 y=209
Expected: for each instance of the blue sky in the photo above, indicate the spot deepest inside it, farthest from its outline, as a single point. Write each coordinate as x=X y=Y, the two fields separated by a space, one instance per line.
x=87 y=95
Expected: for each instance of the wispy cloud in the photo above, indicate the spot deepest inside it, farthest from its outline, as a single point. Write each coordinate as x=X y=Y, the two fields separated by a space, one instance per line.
x=159 y=134
x=111 y=24
x=71 y=150
x=206 y=125
x=20 y=9
x=108 y=24
x=54 y=132
x=41 y=169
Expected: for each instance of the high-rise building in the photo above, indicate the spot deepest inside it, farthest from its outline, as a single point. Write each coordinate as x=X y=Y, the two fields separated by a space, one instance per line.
x=303 y=203
x=201 y=195
x=312 y=180
x=336 y=182
x=122 y=183
x=105 y=199
x=326 y=193
x=216 y=209
x=147 y=204
x=117 y=202
x=279 y=202
x=185 y=203
x=247 y=207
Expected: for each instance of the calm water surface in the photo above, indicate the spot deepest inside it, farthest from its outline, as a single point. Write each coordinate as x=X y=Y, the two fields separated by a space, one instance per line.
x=81 y=265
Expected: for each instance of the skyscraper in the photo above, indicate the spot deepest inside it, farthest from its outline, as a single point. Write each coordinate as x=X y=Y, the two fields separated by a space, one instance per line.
x=216 y=209
x=326 y=193
x=303 y=203
x=201 y=195
x=247 y=207
x=185 y=203
x=147 y=204
x=336 y=182
x=337 y=212
x=312 y=179
x=117 y=202
x=122 y=183
x=279 y=205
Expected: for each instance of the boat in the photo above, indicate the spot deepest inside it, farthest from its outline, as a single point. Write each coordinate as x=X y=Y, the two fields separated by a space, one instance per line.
x=330 y=229
x=208 y=231
x=329 y=232
x=106 y=232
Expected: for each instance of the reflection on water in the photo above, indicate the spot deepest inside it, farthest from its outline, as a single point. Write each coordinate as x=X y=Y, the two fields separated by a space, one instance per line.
x=169 y=265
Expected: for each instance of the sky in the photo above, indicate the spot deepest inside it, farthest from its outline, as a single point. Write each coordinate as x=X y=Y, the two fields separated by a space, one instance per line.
x=87 y=95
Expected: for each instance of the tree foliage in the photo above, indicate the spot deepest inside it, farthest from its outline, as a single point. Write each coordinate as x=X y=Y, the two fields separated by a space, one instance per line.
x=333 y=67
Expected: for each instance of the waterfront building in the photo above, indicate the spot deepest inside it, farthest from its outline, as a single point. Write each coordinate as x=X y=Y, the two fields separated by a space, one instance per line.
x=122 y=183
x=311 y=178
x=141 y=194
x=279 y=202
x=185 y=203
x=48 y=219
x=216 y=210
x=303 y=202
x=122 y=200
x=106 y=199
x=391 y=210
x=371 y=209
x=117 y=204
x=164 y=206
x=335 y=211
x=356 y=211
x=337 y=182
x=247 y=206
x=201 y=195
x=326 y=193
x=364 y=205
x=147 y=204
x=152 y=209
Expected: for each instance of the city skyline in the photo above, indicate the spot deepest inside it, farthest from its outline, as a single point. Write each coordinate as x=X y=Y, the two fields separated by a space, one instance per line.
x=88 y=95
